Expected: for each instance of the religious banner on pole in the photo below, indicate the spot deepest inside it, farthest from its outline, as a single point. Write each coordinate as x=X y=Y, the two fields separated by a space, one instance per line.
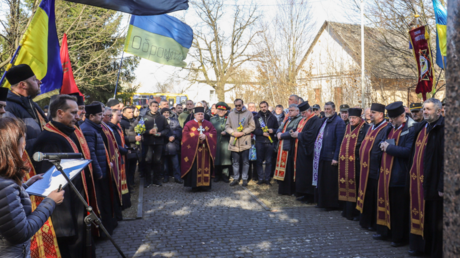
x=420 y=40
x=161 y=38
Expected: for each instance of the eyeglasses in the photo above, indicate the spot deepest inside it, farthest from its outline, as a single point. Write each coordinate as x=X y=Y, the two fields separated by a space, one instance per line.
x=238 y=105
x=108 y=115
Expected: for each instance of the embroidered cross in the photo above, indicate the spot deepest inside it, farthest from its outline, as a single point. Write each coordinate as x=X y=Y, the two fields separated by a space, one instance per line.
x=201 y=129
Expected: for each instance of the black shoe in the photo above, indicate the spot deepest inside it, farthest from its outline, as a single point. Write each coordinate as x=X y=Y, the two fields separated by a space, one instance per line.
x=179 y=181
x=301 y=198
x=225 y=179
x=378 y=237
x=245 y=182
x=158 y=182
x=371 y=229
x=414 y=253
x=356 y=219
x=166 y=180
x=397 y=244
x=261 y=182
x=146 y=185
x=235 y=182
x=216 y=179
x=306 y=201
x=343 y=214
x=268 y=182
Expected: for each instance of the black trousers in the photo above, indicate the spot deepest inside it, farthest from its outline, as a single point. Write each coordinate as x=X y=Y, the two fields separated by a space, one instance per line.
x=264 y=153
x=399 y=217
x=154 y=163
x=369 y=216
x=432 y=241
x=130 y=171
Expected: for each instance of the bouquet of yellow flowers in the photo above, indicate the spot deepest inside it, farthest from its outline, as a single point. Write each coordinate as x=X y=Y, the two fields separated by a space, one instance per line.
x=264 y=128
x=239 y=129
x=140 y=129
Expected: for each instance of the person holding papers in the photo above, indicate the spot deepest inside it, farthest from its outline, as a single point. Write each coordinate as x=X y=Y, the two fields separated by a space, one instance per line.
x=62 y=136
x=17 y=221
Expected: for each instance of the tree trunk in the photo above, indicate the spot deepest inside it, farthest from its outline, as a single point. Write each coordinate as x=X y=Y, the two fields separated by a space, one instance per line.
x=220 y=90
x=452 y=135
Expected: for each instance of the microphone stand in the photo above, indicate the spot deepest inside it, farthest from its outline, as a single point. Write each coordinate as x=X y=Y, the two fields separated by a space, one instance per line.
x=89 y=219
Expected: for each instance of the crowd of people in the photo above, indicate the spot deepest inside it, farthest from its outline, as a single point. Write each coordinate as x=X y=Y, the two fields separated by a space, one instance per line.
x=371 y=164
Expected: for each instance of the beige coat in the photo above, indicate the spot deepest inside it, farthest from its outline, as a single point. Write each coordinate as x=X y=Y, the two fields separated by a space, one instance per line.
x=233 y=120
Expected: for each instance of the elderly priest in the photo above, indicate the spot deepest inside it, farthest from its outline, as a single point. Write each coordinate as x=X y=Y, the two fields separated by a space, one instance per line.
x=198 y=152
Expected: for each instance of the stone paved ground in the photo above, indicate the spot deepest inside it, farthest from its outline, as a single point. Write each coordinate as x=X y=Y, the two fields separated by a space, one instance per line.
x=227 y=222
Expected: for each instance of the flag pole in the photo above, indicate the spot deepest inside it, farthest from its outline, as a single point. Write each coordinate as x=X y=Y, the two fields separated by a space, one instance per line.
x=11 y=63
x=118 y=76
x=362 y=56
x=121 y=62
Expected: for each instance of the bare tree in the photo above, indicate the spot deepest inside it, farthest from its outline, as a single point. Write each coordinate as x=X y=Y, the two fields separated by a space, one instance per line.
x=285 y=41
x=219 y=53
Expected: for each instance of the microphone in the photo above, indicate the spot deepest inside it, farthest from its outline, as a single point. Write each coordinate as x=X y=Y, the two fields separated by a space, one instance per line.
x=38 y=156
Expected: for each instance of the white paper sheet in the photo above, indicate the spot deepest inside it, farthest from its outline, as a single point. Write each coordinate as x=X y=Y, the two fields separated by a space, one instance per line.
x=53 y=178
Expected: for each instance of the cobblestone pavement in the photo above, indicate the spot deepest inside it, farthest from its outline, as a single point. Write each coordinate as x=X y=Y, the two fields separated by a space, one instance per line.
x=228 y=222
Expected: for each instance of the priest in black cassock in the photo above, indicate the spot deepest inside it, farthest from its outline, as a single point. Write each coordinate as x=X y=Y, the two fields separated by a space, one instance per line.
x=61 y=136
x=370 y=156
x=198 y=151
x=304 y=145
x=284 y=171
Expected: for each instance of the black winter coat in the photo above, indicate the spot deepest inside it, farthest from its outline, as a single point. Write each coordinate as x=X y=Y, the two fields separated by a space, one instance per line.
x=270 y=121
x=17 y=221
x=128 y=126
x=173 y=148
x=162 y=125
x=401 y=154
x=433 y=162
x=96 y=147
x=25 y=109
x=332 y=138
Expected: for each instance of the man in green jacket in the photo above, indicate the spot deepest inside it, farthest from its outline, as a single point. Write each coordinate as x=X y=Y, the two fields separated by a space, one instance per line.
x=223 y=155
x=188 y=110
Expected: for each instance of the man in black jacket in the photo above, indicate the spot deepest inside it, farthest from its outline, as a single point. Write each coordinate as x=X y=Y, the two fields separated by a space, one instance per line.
x=172 y=148
x=426 y=177
x=92 y=130
x=156 y=127
x=264 y=145
x=128 y=123
x=24 y=87
x=395 y=159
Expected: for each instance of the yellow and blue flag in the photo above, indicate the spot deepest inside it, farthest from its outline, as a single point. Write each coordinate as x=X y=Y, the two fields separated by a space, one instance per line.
x=160 y=38
x=39 y=48
x=441 y=33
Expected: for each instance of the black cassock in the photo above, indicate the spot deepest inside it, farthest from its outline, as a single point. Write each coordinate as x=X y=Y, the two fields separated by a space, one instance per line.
x=306 y=145
x=68 y=217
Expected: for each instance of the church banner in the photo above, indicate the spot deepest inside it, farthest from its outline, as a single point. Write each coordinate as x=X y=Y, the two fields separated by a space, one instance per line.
x=420 y=40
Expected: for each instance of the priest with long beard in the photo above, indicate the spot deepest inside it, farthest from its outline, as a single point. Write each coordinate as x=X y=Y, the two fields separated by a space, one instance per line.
x=198 y=152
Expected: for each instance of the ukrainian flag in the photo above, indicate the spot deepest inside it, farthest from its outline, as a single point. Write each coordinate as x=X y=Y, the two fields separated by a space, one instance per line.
x=441 y=33
x=160 y=38
x=39 y=48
